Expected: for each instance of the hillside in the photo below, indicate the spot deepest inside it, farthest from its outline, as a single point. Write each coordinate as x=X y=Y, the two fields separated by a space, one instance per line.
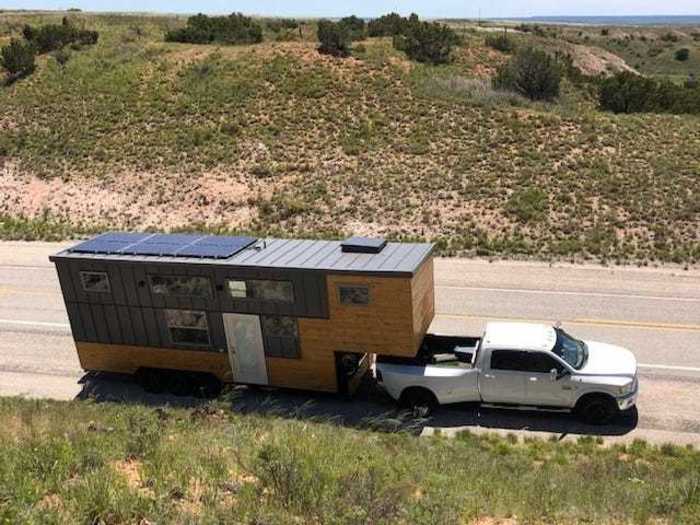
x=276 y=139
x=113 y=463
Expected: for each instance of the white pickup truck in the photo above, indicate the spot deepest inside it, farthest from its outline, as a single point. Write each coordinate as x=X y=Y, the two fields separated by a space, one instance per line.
x=518 y=365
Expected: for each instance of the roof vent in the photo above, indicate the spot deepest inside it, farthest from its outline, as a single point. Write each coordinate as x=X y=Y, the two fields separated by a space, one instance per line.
x=362 y=245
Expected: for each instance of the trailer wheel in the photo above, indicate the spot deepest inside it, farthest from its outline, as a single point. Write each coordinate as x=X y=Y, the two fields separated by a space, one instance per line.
x=597 y=409
x=420 y=401
x=151 y=380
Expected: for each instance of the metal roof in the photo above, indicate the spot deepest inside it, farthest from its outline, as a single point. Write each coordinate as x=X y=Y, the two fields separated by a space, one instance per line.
x=294 y=254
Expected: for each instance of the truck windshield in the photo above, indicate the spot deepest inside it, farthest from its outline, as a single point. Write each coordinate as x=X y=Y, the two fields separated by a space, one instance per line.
x=570 y=349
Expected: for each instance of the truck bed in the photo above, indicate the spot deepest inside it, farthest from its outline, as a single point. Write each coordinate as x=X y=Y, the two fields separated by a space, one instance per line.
x=440 y=350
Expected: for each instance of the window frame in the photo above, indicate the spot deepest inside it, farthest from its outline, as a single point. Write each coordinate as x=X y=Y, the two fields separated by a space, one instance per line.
x=83 y=273
x=169 y=328
x=265 y=336
x=340 y=286
x=209 y=295
x=249 y=288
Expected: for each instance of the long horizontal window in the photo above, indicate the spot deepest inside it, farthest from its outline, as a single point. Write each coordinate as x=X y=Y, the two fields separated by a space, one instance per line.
x=263 y=290
x=95 y=282
x=183 y=286
x=281 y=336
x=188 y=327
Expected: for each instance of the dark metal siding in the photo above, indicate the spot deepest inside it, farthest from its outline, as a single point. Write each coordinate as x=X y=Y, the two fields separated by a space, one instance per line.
x=132 y=315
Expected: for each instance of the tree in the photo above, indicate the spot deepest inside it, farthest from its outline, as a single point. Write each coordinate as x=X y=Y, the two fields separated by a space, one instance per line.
x=17 y=58
x=429 y=42
x=682 y=54
x=232 y=29
x=334 y=38
x=386 y=25
x=356 y=27
x=532 y=73
x=628 y=92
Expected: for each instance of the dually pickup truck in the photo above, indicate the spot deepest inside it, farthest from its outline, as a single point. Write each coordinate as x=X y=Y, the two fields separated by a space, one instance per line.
x=519 y=365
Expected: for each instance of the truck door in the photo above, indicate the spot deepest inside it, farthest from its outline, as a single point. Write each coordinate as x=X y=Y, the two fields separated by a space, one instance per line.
x=502 y=378
x=541 y=389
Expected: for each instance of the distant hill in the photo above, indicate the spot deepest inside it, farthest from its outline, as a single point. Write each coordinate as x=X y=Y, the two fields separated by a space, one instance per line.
x=652 y=20
x=274 y=138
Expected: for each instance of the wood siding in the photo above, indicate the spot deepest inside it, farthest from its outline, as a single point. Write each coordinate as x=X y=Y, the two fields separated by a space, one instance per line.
x=128 y=359
x=423 y=301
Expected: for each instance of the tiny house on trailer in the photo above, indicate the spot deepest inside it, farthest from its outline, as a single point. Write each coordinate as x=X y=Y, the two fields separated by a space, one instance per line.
x=302 y=314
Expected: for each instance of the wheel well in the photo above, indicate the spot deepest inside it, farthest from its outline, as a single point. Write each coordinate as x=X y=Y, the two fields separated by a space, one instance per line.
x=585 y=398
x=413 y=390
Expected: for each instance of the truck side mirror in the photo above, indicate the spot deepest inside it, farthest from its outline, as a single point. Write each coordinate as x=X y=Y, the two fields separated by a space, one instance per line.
x=554 y=374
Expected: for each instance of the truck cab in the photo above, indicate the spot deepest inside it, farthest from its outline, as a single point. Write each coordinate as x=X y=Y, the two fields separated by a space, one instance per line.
x=520 y=365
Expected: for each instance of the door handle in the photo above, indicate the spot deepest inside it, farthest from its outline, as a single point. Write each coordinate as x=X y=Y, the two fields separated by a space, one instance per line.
x=533 y=379
x=489 y=376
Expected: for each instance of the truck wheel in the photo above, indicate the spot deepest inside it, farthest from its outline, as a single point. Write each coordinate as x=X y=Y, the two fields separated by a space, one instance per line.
x=597 y=409
x=420 y=401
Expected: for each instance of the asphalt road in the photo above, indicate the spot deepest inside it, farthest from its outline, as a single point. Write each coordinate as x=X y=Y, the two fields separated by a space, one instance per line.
x=653 y=312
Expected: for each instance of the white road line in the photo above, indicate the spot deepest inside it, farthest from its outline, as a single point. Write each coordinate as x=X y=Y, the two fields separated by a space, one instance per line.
x=35 y=323
x=670 y=367
x=565 y=292
x=66 y=326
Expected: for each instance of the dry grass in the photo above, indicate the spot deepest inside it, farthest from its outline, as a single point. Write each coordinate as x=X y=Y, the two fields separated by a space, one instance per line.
x=277 y=139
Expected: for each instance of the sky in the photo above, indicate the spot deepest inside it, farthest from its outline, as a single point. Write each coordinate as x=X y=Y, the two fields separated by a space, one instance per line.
x=368 y=8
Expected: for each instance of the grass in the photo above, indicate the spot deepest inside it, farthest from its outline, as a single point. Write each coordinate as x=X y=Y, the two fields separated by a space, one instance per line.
x=275 y=138
x=81 y=462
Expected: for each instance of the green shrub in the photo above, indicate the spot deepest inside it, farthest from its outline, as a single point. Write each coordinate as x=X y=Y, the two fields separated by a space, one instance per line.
x=531 y=73
x=682 y=54
x=429 y=42
x=232 y=29
x=501 y=42
x=386 y=25
x=334 y=38
x=281 y=24
x=53 y=36
x=356 y=27
x=528 y=205
x=17 y=58
x=627 y=92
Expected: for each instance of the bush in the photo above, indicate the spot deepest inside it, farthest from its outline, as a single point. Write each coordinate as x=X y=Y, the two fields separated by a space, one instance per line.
x=531 y=73
x=280 y=24
x=356 y=27
x=334 y=38
x=17 y=58
x=501 y=42
x=429 y=42
x=682 y=54
x=627 y=92
x=386 y=25
x=232 y=29
x=53 y=36
x=528 y=205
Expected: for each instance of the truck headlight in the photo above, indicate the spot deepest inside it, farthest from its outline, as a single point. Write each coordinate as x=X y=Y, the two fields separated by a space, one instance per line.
x=627 y=388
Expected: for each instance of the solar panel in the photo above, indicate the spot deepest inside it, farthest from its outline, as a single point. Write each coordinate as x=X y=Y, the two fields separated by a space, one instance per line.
x=109 y=242
x=363 y=245
x=216 y=247
x=160 y=244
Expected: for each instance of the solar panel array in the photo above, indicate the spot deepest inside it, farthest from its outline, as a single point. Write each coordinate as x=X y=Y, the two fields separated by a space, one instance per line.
x=161 y=244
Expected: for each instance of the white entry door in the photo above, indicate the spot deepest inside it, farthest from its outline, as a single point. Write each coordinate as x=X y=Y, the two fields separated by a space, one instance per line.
x=245 y=348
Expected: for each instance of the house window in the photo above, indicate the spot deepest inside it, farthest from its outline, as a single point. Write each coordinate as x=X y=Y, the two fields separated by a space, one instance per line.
x=353 y=295
x=180 y=286
x=188 y=327
x=281 y=336
x=263 y=290
x=95 y=282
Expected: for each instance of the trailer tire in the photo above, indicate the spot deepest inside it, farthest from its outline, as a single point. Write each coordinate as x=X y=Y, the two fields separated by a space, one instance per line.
x=597 y=409
x=420 y=401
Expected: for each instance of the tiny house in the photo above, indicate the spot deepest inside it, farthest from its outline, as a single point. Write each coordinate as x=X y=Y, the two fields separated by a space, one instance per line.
x=303 y=314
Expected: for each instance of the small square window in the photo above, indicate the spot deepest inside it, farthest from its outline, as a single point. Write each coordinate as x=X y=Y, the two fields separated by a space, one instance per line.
x=237 y=289
x=95 y=282
x=188 y=327
x=353 y=295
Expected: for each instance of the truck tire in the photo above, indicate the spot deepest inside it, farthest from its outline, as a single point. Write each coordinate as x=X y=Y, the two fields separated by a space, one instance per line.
x=420 y=401
x=597 y=409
